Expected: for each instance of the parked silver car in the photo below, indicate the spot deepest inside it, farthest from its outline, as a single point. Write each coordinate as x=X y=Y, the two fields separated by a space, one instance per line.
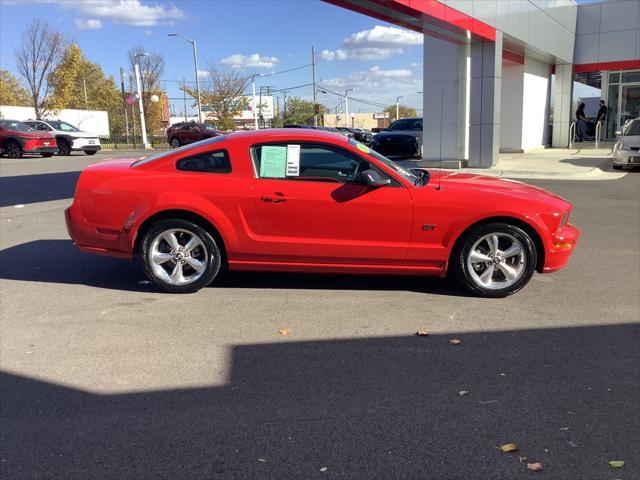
x=68 y=137
x=627 y=149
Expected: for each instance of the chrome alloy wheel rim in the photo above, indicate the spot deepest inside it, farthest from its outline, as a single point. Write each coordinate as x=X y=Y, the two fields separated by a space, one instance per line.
x=496 y=261
x=175 y=143
x=178 y=256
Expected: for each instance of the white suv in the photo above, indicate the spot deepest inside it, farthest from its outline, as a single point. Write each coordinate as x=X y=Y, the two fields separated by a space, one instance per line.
x=68 y=137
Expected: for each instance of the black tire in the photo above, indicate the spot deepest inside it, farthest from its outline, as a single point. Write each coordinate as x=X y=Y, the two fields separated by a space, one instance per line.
x=90 y=152
x=47 y=155
x=175 y=142
x=212 y=260
x=467 y=278
x=617 y=167
x=64 y=147
x=12 y=149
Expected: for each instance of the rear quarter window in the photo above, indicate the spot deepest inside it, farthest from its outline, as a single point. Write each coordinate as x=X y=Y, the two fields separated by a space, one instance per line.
x=208 y=162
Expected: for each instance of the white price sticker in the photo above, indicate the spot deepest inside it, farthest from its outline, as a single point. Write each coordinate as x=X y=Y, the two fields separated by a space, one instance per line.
x=293 y=160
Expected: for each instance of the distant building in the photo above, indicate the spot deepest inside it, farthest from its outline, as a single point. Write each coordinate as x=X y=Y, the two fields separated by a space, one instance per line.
x=357 y=120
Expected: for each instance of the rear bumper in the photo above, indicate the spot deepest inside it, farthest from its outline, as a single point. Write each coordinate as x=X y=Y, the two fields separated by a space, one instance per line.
x=564 y=242
x=91 y=238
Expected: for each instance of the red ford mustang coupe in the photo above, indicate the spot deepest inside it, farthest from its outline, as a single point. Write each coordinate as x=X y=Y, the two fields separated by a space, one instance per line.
x=309 y=201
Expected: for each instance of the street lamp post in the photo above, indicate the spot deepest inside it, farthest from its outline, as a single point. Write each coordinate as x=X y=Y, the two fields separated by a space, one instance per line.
x=195 y=62
x=398 y=107
x=143 y=125
x=346 y=106
x=255 y=107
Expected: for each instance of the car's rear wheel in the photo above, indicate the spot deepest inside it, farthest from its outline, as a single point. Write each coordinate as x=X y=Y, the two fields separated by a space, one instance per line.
x=64 y=147
x=90 y=152
x=47 y=155
x=12 y=149
x=179 y=256
x=175 y=143
x=495 y=260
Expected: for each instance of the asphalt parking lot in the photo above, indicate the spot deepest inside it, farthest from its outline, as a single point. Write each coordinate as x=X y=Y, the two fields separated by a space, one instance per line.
x=102 y=377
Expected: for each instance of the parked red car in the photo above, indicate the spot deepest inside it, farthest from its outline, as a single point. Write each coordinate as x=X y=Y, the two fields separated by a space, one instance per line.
x=301 y=200
x=189 y=132
x=17 y=138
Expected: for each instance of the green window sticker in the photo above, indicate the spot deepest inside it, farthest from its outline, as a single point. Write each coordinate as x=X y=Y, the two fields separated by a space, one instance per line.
x=363 y=148
x=273 y=161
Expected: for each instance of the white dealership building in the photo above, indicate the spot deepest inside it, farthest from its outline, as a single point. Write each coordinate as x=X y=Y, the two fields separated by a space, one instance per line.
x=500 y=74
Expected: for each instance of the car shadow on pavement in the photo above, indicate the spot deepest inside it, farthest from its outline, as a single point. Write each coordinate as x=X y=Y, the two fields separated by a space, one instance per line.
x=24 y=189
x=371 y=408
x=59 y=261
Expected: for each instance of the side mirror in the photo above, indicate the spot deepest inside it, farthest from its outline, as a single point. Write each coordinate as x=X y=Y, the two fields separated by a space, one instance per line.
x=618 y=132
x=372 y=178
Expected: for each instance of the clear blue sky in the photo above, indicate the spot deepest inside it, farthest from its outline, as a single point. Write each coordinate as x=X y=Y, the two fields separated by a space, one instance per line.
x=257 y=36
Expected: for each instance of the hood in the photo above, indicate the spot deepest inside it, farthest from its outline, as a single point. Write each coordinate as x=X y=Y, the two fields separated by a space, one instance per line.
x=630 y=140
x=80 y=134
x=498 y=186
x=396 y=134
x=34 y=134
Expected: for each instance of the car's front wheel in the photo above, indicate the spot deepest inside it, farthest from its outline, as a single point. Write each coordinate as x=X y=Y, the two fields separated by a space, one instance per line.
x=495 y=260
x=90 y=152
x=175 y=143
x=179 y=256
x=12 y=149
x=64 y=147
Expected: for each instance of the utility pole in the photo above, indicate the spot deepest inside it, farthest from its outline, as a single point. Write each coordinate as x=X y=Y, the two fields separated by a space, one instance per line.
x=284 y=107
x=86 y=100
x=313 y=73
x=184 y=97
x=346 y=106
x=124 y=103
x=398 y=107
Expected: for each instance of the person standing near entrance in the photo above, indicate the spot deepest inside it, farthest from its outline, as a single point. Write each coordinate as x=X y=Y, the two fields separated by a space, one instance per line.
x=601 y=117
x=581 y=119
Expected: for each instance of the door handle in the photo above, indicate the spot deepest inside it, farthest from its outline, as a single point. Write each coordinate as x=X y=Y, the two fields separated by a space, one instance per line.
x=275 y=198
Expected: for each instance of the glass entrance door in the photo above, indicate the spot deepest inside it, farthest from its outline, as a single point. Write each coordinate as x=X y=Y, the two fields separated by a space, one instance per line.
x=629 y=103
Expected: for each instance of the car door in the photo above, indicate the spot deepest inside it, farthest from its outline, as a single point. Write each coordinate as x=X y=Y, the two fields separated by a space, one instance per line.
x=324 y=215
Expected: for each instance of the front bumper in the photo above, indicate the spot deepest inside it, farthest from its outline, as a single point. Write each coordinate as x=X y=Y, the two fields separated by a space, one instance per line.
x=626 y=157
x=563 y=243
x=41 y=150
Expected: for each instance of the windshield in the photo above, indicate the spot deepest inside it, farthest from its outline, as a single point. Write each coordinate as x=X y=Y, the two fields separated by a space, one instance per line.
x=406 y=124
x=64 y=126
x=206 y=126
x=633 y=128
x=160 y=155
x=15 y=126
x=389 y=163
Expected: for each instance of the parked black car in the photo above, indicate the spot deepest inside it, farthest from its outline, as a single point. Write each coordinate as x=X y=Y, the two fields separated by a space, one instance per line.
x=402 y=139
x=358 y=134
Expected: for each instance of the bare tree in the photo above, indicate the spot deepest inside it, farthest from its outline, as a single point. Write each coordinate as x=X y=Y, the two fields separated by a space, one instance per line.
x=40 y=51
x=222 y=90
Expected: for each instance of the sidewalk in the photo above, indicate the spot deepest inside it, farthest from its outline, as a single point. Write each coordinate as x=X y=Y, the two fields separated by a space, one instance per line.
x=549 y=164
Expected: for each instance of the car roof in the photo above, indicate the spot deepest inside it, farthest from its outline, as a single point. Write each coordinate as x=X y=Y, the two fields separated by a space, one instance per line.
x=274 y=134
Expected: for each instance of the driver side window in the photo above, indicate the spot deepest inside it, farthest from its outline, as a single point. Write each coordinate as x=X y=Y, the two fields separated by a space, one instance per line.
x=321 y=163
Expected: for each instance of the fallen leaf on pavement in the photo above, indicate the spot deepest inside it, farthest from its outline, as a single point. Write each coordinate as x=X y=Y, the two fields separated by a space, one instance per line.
x=534 y=467
x=422 y=333
x=522 y=459
x=455 y=341
x=509 y=447
x=462 y=393
x=262 y=460
x=616 y=463
x=284 y=331
x=323 y=469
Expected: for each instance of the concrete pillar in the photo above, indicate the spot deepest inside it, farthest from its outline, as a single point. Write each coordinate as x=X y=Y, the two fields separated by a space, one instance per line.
x=440 y=100
x=511 y=108
x=484 y=115
x=563 y=86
